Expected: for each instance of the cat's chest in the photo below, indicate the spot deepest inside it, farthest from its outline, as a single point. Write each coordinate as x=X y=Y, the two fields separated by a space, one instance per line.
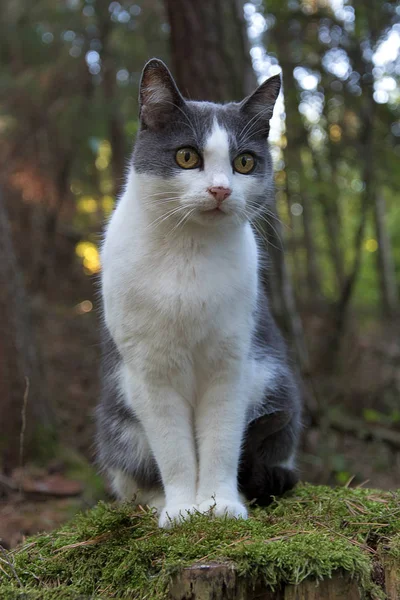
x=181 y=295
x=188 y=285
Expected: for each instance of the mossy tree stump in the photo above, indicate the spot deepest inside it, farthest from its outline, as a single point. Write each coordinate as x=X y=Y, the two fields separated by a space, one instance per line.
x=316 y=543
x=221 y=582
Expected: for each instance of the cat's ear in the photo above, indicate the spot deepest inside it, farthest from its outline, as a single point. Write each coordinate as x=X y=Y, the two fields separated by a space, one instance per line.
x=159 y=97
x=261 y=102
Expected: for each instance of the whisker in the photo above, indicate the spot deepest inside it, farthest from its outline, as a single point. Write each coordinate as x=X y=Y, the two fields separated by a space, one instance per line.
x=275 y=230
x=265 y=239
x=183 y=219
x=161 y=201
x=263 y=208
x=164 y=217
x=155 y=195
x=257 y=116
x=186 y=117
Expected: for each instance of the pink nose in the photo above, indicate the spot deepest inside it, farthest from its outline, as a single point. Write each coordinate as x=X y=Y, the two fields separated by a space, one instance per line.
x=220 y=193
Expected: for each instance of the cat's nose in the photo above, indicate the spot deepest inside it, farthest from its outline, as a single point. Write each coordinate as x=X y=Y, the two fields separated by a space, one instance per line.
x=220 y=193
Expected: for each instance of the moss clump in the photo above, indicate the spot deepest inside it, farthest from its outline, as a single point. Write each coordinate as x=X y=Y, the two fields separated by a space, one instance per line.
x=115 y=551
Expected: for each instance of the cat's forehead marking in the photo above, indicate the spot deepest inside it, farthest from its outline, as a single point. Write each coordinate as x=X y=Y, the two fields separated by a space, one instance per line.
x=217 y=142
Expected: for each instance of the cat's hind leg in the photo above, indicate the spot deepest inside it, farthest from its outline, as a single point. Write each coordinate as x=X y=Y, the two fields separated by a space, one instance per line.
x=126 y=488
x=124 y=455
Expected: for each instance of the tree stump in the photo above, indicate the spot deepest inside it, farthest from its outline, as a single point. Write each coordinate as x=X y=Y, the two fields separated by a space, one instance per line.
x=221 y=582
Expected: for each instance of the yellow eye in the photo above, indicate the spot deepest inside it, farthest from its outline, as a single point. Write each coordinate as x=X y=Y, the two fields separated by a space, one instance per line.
x=187 y=158
x=244 y=163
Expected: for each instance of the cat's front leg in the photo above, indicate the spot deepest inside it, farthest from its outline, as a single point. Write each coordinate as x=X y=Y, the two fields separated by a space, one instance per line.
x=167 y=420
x=219 y=426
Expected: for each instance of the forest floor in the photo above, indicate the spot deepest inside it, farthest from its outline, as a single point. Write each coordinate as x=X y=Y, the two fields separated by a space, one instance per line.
x=68 y=329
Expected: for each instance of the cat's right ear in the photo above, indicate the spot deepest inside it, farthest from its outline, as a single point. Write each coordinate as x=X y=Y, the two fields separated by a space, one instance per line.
x=159 y=97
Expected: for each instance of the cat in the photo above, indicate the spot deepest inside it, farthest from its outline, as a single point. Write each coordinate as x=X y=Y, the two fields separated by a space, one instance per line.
x=200 y=410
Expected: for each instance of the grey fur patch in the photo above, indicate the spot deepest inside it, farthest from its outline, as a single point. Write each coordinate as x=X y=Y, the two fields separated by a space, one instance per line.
x=120 y=436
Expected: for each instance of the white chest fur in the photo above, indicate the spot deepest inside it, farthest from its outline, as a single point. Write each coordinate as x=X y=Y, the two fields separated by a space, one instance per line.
x=166 y=295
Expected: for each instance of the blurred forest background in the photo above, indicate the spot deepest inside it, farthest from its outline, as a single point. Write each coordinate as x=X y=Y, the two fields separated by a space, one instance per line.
x=69 y=73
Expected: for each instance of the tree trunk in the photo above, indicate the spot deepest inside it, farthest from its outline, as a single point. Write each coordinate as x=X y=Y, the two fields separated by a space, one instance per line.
x=115 y=127
x=385 y=265
x=209 y=49
x=25 y=416
x=296 y=135
x=313 y=276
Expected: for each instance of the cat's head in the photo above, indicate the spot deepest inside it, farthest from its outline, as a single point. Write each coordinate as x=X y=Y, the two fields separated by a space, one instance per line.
x=199 y=161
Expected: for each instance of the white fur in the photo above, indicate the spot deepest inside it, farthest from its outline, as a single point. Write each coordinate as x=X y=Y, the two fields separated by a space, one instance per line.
x=179 y=291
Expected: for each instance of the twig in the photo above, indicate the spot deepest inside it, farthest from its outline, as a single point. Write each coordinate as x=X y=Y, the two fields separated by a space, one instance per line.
x=360 y=485
x=216 y=550
x=5 y=572
x=285 y=536
x=23 y=428
x=354 y=542
x=100 y=538
x=92 y=542
x=4 y=553
x=361 y=524
x=348 y=482
x=356 y=506
x=23 y=548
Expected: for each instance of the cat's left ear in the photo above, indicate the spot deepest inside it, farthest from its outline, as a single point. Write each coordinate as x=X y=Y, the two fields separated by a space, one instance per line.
x=261 y=102
x=159 y=97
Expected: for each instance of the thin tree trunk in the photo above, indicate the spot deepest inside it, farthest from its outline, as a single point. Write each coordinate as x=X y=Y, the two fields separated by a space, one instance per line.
x=331 y=217
x=385 y=264
x=313 y=277
x=209 y=49
x=296 y=135
x=19 y=363
x=115 y=127
x=367 y=144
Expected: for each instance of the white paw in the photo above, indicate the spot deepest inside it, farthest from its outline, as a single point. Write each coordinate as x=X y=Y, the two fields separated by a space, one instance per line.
x=175 y=513
x=221 y=507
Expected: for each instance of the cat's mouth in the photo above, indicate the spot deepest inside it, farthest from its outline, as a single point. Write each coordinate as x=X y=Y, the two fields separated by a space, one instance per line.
x=218 y=210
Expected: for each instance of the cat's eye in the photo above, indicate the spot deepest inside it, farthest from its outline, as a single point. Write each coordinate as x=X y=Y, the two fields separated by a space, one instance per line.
x=187 y=158
x=244 y=163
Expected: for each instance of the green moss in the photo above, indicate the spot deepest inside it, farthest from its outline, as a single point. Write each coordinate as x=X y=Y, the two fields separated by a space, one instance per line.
x=116 y=551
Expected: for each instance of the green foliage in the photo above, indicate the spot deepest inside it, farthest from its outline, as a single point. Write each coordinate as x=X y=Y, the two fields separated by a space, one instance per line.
x=117 y=551
x=342 y=130
x=70 y=82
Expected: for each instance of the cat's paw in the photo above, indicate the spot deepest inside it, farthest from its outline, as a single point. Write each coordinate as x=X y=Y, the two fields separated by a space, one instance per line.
x=175 y=513
x=221 y=507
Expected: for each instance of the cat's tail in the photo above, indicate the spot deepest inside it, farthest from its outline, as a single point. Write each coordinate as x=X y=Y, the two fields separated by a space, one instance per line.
x=265 y=467
x=265 y=483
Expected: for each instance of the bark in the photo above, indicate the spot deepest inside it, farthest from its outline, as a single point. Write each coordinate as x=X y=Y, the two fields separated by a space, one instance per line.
x=332 y=221
x=115 y=126
x=19 y=363
x=385 y=264
x=313 y=277
x=209 y=49
x=222 y=582
x=296 y=136
x=367 y=199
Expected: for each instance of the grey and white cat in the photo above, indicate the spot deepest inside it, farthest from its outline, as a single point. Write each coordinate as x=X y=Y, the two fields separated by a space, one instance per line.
x=199 y=407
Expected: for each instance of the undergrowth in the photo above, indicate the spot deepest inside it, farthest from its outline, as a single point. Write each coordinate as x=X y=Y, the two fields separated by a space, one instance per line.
x=117 y=551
